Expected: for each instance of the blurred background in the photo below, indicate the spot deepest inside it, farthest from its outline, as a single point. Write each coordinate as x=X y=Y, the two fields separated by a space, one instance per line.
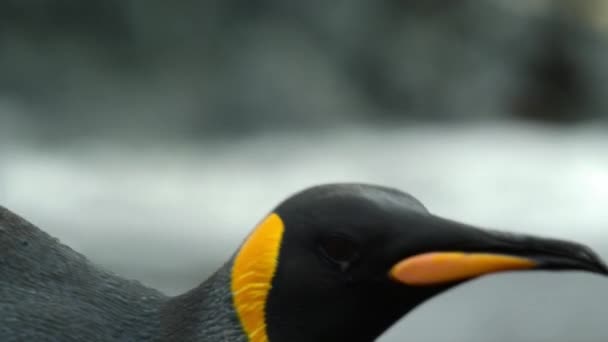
x=152 y=135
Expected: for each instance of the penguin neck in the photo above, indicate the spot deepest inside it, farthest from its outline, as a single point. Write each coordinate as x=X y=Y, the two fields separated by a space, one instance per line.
x=205 y=312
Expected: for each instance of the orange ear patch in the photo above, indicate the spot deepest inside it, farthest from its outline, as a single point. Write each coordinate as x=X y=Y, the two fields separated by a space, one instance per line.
x=252 y=273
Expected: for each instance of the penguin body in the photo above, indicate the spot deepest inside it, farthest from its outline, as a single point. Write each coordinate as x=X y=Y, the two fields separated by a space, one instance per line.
x=205 y=313
x=49 y=292
x=338 y=262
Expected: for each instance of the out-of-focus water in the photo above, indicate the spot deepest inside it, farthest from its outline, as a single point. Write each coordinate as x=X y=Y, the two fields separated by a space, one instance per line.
x=169 y=214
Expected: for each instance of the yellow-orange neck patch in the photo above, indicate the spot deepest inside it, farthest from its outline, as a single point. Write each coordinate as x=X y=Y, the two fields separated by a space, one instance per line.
x=252 y=273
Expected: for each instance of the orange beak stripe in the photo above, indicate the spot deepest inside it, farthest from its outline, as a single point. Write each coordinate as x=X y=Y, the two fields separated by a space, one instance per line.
x=444 y=267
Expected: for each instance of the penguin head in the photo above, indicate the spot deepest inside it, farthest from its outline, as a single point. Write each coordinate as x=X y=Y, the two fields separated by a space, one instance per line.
x=343 y=262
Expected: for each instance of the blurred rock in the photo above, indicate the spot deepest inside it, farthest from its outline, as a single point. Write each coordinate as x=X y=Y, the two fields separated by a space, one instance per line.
x=153 y=69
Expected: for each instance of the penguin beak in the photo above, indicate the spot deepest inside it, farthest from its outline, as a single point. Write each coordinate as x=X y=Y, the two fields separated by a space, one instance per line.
x=475 y=252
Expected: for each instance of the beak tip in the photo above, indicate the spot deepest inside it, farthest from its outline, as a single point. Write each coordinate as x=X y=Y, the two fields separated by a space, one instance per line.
x=603 y=269
x=566 y=255
x=596 y=263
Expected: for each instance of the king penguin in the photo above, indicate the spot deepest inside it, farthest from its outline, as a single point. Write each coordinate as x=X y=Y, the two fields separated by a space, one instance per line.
x=335 y=262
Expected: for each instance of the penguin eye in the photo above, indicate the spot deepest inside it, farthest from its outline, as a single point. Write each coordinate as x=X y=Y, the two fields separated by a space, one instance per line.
x=339 y=249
